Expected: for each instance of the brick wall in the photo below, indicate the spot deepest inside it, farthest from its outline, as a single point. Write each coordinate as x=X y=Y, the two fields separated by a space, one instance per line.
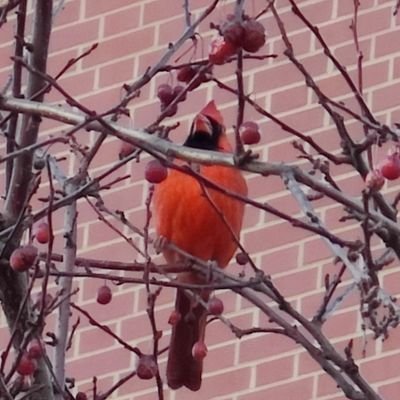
x=132 y=35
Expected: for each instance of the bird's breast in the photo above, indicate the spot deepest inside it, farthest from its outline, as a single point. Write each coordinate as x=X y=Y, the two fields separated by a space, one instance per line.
x=198 y=223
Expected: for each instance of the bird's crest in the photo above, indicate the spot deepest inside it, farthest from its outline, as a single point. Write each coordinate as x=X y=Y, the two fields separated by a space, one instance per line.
x=210 y=110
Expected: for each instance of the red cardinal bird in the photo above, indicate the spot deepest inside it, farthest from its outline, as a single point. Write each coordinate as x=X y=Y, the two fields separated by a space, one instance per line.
x=186 y=218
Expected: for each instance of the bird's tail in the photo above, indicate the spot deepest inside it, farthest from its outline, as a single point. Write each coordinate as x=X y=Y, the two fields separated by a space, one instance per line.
x=182 y=368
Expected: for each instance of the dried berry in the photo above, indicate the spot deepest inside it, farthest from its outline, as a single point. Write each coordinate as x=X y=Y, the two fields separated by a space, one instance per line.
x=220 y=51
x=254 y=35
x=147 y=367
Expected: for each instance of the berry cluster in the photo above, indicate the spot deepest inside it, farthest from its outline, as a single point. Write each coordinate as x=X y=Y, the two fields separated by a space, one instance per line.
x=167 y=94
x=389 y=169
x=188 y=73
x=23 y=257
x=28 y=362
x=247 y=34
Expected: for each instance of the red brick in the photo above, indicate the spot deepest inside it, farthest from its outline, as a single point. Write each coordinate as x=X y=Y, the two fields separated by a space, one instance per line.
x=102 y=101
x=302 y=387
x=218 y=385
x=169 y=31
x=391 y=282
x=386 y=43
x=95 y=339
x=347 y=54
x=380 y=369
x=155 y=10
x=136 y=326
x=273 y=236
x=82 y=32
x=75 y=85
x=99 y=232
x=119 y=72
x=296 y=283
x=390 y=390
x=120 y=306
x=283 y=152
x=347 y=8
x=385 y=98
x=219 y=358
x=278 y=76
x=102 y=385
x=5 y=54
x=122 y=20
x=99 y=364
x=301 y=42
x=218 y=333
x=121 y=46
x=145 y=115
x=304 y=121
x=262 y=346
x=352 y=185
x=274 y=371
x=280 y=260
x=125 y=198
x=374 y=20
x=166 y=297
x=58 y=61
x=252 y=216
x=289 y=99
x=68 y=14
x=104 y=6
x=392 y=342
x=342 y=324
x=326 y=385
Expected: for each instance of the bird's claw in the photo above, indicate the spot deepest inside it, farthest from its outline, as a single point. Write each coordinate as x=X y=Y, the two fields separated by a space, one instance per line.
x=245 y=157
x=159 y=244
x=211 y=265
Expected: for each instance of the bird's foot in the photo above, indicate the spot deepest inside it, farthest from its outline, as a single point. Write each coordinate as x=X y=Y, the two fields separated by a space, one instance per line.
x=211 y=265
x=159 y=244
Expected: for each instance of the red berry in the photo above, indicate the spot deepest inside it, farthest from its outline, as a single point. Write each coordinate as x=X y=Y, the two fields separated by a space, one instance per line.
x=374 y=180
x=178 y=89
x=220 y=51
x=201 y=78
x=250 y=133
x=242 y=258
x=26 y=366
x=104 y=295
x=170 y=109
x=254 y=35
x=35 y=349
x=42 y=233
x=126 y=149
x=186 y=74
x=390 y=167
x=174 y=318
x=147 y=367
x=155 y=172
x=233 y=31
x=197 y=82
x=81 y=396
x=17 y=261
x=215 y=306
x=199 y=350
x=22 y=258
x=165 y=93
